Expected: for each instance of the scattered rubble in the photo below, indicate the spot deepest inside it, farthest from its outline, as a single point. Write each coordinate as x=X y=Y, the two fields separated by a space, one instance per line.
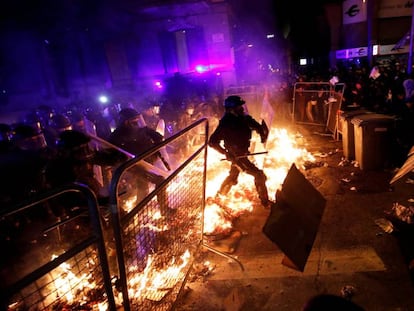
x=348 y=291
x=385 y=225
x=403 y=213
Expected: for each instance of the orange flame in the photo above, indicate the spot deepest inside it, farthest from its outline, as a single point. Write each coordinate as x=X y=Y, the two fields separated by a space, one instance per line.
x=283 y=149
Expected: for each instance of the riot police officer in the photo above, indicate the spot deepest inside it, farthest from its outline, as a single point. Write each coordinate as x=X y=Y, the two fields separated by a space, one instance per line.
x=235 y=132
x=133 y=136
x=23 y=164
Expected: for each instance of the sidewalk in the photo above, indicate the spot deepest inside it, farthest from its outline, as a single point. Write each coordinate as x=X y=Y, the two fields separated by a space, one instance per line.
x=351 y=254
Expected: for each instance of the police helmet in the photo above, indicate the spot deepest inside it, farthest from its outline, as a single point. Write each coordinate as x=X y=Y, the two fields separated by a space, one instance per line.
x=60 y=122
x=22 y=131
x=72 y=138
x=127 y=114
x=75 y=144
x=28 y=137
x=233 y=101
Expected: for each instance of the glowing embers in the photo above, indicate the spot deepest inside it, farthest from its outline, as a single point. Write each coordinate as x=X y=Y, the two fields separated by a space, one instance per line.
x=155 y=283
x=73 y=285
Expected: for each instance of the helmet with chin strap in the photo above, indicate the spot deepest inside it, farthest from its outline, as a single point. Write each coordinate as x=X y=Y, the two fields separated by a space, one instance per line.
x=74 y=144
x=132 y=116
x=233 y=101
x=127 y=114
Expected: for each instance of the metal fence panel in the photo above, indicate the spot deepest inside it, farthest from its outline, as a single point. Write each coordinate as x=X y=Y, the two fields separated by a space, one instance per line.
x=139 y=260
x=317 y=103
x=55 y=263
x=157 y=219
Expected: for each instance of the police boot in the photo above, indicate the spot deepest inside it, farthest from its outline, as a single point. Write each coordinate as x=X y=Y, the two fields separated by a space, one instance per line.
x=224 y=189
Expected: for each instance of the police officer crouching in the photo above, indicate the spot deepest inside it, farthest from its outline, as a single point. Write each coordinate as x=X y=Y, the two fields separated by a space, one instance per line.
x=235 y=132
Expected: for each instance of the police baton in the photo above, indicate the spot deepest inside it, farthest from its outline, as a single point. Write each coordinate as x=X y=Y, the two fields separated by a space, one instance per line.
x=249 y=154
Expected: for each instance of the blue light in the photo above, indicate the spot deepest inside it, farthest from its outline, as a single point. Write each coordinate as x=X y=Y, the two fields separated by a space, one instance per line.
x=103 y=99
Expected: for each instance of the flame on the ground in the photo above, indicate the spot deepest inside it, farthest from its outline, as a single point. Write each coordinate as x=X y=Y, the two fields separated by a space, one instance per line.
x=283 y=148
x=154 y=283
x=69 y=290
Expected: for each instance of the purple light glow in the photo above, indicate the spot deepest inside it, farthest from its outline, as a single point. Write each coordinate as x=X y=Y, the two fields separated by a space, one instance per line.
x=158 y=84
x=201 y=68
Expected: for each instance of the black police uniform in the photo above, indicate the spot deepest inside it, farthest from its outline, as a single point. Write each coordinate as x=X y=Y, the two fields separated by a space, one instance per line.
x=137 y=140
x=235 y=131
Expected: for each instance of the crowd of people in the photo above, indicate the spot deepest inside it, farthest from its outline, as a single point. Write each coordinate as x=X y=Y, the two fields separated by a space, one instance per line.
x=39 y=147
x=380 y=89
x=50 y=147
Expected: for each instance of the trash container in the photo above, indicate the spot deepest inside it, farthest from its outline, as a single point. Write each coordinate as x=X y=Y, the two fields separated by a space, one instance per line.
x=347 y=128
x=373 y=137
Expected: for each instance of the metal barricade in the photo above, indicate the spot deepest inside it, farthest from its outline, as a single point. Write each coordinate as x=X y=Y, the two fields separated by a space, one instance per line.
x=157 y=218
x=317 y=103
x=51 y=262
x=64 y=252
x=252 y=94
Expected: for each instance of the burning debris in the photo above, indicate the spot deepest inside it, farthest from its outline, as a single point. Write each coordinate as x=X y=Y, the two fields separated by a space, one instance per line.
x=284 y=149
x=403 y=213
x=154 y=283
x=73 y=285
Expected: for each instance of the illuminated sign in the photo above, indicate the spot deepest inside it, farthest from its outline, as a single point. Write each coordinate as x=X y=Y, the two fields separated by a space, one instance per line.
x=354 y=11
x=352 y=53
x=376 y=50
x=390 y=49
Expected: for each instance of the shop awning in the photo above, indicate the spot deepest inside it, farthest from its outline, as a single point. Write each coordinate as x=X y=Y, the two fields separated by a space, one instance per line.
x=405 y=40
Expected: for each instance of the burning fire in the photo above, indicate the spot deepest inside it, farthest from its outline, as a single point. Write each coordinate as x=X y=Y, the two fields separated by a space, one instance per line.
x=71 y=290
x=154 y=283
x=283 y=149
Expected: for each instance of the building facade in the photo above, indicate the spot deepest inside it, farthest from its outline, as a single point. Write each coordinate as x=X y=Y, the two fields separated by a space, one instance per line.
x=373 y=32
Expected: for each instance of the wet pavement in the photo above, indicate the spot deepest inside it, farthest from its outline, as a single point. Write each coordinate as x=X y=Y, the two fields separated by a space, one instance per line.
x=355 y=254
